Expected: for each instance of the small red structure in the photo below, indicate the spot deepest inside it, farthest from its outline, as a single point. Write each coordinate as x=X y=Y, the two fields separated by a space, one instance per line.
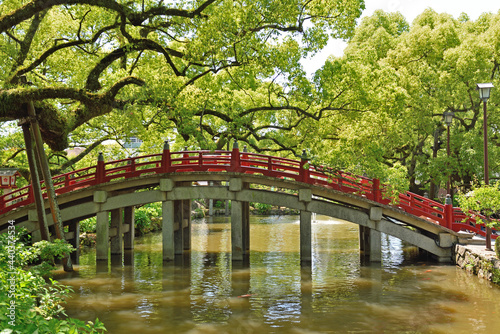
x=8 y=178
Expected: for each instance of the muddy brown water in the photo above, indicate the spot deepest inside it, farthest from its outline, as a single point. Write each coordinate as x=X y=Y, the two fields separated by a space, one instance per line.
x=203 y=292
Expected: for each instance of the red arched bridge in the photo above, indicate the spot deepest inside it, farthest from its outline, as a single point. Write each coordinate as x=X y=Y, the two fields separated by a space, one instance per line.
x=175 y=178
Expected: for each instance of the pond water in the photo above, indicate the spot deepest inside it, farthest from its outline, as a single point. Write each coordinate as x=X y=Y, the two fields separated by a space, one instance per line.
x=203 y=292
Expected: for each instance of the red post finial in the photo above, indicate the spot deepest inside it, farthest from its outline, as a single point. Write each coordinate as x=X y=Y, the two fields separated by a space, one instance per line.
x=235 y=158
x=165 y=158
x=304 y=168
x=100 y=171
x=448 y=212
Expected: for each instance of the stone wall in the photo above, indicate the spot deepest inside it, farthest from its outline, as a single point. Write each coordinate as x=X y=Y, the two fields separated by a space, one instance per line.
x=478 y=261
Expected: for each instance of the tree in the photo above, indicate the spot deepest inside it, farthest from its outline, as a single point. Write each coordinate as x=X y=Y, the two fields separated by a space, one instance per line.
x=398 y=80
x=205 y=70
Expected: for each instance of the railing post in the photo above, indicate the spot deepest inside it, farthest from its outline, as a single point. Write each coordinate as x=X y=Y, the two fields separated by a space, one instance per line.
x=377 y=195
x=185 y=155
x=448 y=212
x=165 y=158
x=235 y=158
x=131 y=165
x=100 y=171
x=244 y=156
x=304 y=168
x=31 y=191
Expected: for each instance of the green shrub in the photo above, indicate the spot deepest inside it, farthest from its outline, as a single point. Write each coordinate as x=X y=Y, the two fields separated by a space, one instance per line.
x=29 y=303
x=88 y=225
x=147 y=218
x=263 y=209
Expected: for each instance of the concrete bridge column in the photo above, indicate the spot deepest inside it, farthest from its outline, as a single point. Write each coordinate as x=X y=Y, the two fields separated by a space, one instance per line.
x=74 y=229
x=168 y=233
x=240 y=222
x=179 y=230
x=211 y=202
x=102 y=236
x=186 y=223
x=245 y=209
x=370 y=243
x=237 y=248
x=305 y=237
x=102 y=228
x=172 y=224
x=129 y=219
x=305 y=196
x=116 y=231
x=370 y=240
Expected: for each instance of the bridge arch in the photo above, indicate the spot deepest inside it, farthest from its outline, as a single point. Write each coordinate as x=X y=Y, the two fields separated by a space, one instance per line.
x=176 y=190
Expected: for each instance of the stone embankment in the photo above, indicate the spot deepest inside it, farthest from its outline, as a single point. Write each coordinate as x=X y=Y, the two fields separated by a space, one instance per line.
x=477 y=260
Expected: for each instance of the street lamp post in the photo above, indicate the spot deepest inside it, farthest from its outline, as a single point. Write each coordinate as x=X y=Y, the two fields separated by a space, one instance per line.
x=448 y=119
x=484 y=94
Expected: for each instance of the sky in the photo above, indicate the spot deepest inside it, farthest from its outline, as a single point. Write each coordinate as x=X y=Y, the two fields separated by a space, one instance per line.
x=410 y=9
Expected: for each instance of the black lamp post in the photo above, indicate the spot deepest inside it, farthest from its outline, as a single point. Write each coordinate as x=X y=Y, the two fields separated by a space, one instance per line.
x=484 y=94
x=448 y=119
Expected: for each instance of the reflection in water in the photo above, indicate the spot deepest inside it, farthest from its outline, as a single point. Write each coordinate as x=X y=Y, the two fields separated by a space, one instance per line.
x=203 y=292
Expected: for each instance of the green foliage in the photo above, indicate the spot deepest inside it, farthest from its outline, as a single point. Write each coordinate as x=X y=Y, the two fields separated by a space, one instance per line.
x=262 y=208
x=147 y=218
x=88 y=225
x=29 y=303
x=49 y=251
x=484 y=199
x=219 y=205
x=398 y=80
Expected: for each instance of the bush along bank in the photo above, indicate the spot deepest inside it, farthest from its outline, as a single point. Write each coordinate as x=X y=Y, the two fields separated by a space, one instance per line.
x=30 y=300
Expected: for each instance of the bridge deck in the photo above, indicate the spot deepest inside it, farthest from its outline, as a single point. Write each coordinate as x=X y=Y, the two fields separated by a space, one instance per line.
x=347 y=187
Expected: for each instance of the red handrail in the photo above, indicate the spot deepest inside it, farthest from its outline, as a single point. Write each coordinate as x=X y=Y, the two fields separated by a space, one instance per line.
x=250 y=163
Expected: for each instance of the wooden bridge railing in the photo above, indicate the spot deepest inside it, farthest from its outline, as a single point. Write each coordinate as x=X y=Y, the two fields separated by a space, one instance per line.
x=250 y=163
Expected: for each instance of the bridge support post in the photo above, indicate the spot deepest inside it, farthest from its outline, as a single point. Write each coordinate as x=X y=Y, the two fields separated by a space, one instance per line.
x=186 y=224
x=240 y=222
x=75 y=241
x=237 y=247
x=168 y=234
x=305 y=237
x=305 y=196
x=117 y=225
x=179 y=232
x=245 y=210
x=129 y=219
x=211 y=202
x=370 y=243
x=102 y=236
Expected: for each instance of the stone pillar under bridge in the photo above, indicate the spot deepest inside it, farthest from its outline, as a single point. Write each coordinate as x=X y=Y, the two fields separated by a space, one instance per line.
x=240 y=223
x=370 y=242
x=102 y=227
x=129 y=235
x=176 y=224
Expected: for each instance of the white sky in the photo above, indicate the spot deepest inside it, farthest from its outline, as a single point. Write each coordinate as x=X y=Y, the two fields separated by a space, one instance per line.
x=410 y=9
